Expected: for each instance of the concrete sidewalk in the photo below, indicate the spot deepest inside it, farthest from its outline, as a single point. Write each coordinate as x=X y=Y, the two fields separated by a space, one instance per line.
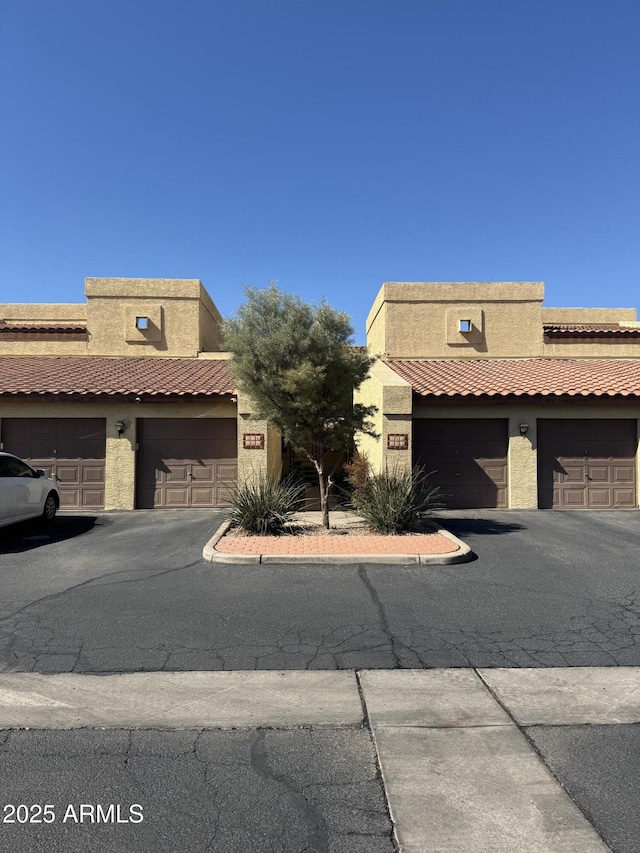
x=459 y=772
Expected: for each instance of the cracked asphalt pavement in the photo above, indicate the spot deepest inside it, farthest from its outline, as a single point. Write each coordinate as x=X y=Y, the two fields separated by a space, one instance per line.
x=250 y=791
x=127 y=592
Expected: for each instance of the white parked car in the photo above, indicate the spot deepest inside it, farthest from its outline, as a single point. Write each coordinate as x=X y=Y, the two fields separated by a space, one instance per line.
x=25 y=492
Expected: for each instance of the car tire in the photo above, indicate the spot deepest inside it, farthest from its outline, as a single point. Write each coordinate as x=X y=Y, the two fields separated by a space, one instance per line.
x=50 y=508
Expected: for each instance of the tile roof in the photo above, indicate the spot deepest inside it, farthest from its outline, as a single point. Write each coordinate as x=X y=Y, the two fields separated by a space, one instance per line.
x=42 y=327
x=527 y=377
x=590 y=330
x=91 y=375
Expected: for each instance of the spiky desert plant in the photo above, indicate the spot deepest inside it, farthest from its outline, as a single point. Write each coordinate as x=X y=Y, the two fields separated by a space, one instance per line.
x=391 y=502
x=263 y=504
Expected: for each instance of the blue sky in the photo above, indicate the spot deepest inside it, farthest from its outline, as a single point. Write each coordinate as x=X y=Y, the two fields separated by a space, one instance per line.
x=329 y=146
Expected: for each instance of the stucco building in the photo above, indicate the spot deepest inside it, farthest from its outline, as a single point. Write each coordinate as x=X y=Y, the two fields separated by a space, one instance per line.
x=127 y=398
x=510 y=403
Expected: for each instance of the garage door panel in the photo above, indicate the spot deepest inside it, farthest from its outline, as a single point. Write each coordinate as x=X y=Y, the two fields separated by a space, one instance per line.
x=71 y=450
x=571 y=474
x=72 y=497
x=68 y=475
x=501 y=497
x=623 y=474
x=598 y=454
x=179 y=460
x=225 y=471
x=224 y=494
x=174 y=474
x=92 y=499
x=226 y=478
x=496 y=473
x=202 y=497
x=600 y=498
x=575 y=498
x=93 y=473
x=624 y=497
x=468 y=458
x=203 y=472
x=176 y=497
x=599 y=473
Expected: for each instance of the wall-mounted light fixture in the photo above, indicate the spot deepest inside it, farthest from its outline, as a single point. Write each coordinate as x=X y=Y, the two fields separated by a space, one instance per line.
x=119 y=427
x=524 y=429
x=233 y=399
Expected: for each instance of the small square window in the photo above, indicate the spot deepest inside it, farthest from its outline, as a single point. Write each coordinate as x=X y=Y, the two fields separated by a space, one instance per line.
x=464 y=325
x=142 y=323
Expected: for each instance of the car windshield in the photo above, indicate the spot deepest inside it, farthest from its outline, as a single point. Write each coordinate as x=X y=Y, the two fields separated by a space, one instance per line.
x=18 y=468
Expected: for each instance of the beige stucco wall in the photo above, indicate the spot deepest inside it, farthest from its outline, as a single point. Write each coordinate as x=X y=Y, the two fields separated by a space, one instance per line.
x=522 y=460
x=417 y=320
x=593 y=348
x=392 y=397
x=172 y=304
x=522 y=450
x=120 y=461
x=420 y=320
x=42 y=313
x=183 y=320
x=42 y=347
x=253 y=463
x=376 y=325
x=25 y=312
x=588 y=315
x=209 y=323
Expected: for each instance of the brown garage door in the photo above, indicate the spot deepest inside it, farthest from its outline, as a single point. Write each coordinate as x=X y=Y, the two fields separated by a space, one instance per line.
x=72 y=450
x=185 y=462
x=586 y=464
x=468 y=456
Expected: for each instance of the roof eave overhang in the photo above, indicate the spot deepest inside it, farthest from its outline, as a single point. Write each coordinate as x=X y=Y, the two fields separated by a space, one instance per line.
x=522 y=395
x=117 y=396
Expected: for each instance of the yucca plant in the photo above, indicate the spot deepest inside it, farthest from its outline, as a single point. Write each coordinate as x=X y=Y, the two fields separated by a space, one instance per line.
x=263 y=504
x=391 y=502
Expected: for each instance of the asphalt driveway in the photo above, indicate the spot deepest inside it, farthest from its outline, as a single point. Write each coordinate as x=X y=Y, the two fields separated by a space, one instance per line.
x=126 y=592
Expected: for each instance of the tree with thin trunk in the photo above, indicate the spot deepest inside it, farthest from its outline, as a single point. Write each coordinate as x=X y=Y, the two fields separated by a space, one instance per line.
x=298 y=365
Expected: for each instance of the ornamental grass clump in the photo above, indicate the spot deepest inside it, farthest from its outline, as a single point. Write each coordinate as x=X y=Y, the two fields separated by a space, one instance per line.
x=264 y=504
x=392 y=502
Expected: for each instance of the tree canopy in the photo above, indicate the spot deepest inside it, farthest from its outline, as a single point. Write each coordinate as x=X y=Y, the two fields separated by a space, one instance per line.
x=297 y=363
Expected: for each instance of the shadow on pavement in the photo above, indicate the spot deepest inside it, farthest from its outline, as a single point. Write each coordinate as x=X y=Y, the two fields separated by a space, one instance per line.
x=461 y=526
x=35 y=533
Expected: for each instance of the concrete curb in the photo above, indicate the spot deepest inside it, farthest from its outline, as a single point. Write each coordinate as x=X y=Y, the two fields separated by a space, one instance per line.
x=462 y=555
x=210 y=554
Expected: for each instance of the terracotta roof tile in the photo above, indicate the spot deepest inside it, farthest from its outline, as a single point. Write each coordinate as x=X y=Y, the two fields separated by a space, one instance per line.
x=528 y=377
x=109 y=376
x=43 y=327
x=590 y=330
